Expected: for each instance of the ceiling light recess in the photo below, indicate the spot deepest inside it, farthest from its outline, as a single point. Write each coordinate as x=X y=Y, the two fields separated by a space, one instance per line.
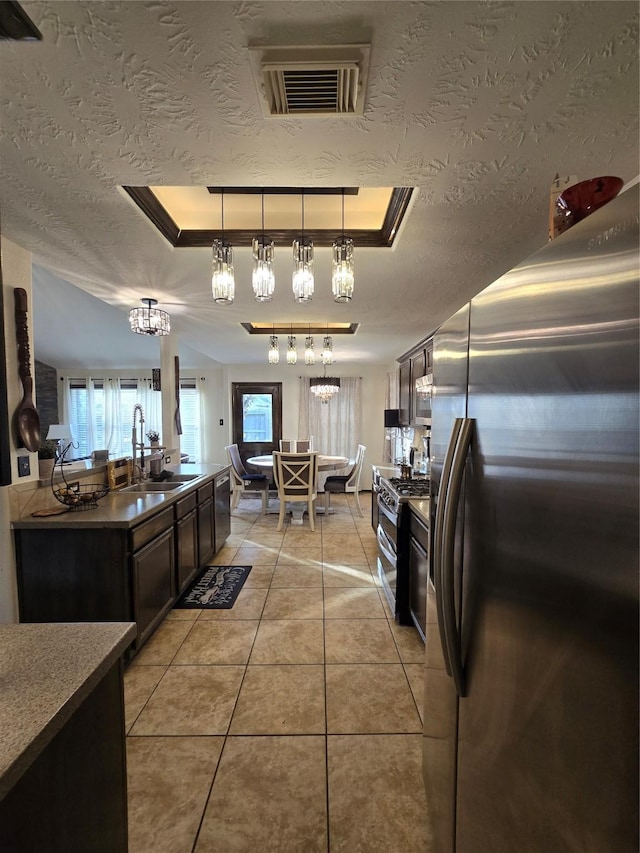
x=311 y=80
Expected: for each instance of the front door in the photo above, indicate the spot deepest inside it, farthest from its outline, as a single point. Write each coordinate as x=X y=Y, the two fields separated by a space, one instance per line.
x=256 y=411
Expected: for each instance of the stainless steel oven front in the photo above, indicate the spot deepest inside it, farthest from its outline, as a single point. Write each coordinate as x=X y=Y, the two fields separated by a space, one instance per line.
x=387 y=535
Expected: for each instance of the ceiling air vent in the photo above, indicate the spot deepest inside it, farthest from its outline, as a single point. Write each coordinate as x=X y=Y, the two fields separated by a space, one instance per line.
x=311 y=81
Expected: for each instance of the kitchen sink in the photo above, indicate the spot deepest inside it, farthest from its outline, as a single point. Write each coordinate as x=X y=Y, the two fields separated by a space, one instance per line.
x=151 y=487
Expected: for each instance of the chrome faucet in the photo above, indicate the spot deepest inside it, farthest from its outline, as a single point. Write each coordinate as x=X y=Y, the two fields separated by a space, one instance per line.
x=137 y=409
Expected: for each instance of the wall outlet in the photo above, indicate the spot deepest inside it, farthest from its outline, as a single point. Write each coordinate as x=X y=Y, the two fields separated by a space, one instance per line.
x=24 y=466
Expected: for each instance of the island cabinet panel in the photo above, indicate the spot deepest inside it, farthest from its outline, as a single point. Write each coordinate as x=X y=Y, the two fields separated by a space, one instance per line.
x=74 y=796
x=154 y=583
x=73 y=575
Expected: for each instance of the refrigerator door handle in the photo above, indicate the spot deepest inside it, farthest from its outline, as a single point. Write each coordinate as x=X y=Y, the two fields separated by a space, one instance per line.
x=453 y=651
x=438 y=531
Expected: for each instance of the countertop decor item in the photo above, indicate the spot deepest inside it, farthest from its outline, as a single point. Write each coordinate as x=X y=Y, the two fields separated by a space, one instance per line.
x=76 y=495
x=27 y=417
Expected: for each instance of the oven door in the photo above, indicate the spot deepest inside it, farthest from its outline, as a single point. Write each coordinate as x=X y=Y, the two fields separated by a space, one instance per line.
x=387 y=554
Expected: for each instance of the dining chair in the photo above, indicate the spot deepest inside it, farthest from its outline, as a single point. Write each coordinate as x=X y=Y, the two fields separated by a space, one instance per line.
x=295 y=445
x=243 y=481
x=346 y=482
x=296 y=476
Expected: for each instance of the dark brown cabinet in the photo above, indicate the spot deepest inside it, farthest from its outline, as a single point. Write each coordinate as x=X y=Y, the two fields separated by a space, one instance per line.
x=418 y=572
x=405 y=393
x=187 y=561
x=121 y=574
x=415 y=410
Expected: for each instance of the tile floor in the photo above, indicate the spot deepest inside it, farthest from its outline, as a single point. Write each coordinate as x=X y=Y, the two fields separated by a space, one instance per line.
x=291 y=722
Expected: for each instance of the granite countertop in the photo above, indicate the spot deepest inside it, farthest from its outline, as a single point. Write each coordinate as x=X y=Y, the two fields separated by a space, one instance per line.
x=124 y=509
x=46 y=672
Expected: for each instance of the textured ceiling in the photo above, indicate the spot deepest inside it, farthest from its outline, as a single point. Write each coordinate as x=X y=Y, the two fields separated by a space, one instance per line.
x=477 y=105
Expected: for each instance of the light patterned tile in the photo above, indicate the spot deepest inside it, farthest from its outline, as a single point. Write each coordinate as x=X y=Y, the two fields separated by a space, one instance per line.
x=359 y=641
x=378 y=778
x=161 y=648
x=226 y=642
x=337 y=575
x=168 y=781
x=289 y=641
x=298 y=603
x=415 y=675
x=191 y=700
x=280 y=700
x=370 y=698
x=293 y=576
x=269 y=794
x=352 y=603
x=407 y=639
x=139 y=684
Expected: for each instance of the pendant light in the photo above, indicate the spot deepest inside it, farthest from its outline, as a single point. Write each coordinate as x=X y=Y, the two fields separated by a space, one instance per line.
x=327 y=350
x=309 y=349
x=324 y=387
x=223 y=283
x=263 y=278
x=342 y=279
x=274 y=350
x=292 y=352
x=302 y=265
x=149 y=320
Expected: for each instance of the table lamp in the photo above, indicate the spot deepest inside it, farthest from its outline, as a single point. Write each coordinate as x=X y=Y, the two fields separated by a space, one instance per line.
x=63 y=435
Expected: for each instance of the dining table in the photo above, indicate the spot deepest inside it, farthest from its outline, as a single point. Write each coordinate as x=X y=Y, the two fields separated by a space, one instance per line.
x=325 y=463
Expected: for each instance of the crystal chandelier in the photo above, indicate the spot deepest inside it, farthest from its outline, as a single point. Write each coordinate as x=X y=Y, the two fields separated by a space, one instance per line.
x=327 y=350
x=302 y=265
x=324 y=387
x=223 y=284
x=309 y=352
x=263 y=279
x=149 y=320
x=292 y=353
x=342 y=266
x=274 y=350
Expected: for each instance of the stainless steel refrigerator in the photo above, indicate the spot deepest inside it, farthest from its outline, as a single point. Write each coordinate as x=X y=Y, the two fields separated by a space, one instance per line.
x=531 y=677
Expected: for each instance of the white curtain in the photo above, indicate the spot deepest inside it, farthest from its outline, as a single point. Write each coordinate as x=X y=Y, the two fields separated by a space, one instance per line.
x=336 y=426
x=112 y=418
x=151 y=402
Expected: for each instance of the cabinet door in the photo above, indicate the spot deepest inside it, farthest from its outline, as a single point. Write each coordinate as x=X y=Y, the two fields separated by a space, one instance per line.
x=205 y=531
x=153 y=582
x=418 y=368
x=418 y=577
x=186 y=550
x=405 y=393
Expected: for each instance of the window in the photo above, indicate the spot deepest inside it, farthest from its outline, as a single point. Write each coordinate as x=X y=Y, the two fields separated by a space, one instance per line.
x=100 y=412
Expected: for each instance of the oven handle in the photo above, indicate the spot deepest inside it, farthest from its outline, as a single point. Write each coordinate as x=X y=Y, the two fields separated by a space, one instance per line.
x=383 y=545
x=385 y=510
x=452 y=634
x=438 y=533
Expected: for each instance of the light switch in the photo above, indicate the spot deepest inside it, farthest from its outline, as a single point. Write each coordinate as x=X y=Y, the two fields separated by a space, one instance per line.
x=24 y=466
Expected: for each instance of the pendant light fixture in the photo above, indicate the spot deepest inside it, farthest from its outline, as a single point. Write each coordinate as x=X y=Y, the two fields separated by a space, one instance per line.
x=324 y=387
x=309 y=349
x=274 y=350
x=342 y=279
x=263 y=278
x=149 y=320
x=302 y=265
x=223 y=283
x=292 y=352
x=327 y=350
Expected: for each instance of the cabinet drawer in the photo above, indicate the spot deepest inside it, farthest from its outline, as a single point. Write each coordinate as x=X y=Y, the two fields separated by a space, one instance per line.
x=186 y=504
x=145 y=532
x=205 y=492
x=420 y=531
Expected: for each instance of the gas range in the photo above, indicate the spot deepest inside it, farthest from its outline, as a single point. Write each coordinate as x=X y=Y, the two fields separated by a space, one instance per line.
x=393 y=491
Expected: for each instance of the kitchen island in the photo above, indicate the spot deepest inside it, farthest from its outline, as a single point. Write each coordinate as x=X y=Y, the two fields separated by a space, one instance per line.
x=62 y=751
x=129 y=558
